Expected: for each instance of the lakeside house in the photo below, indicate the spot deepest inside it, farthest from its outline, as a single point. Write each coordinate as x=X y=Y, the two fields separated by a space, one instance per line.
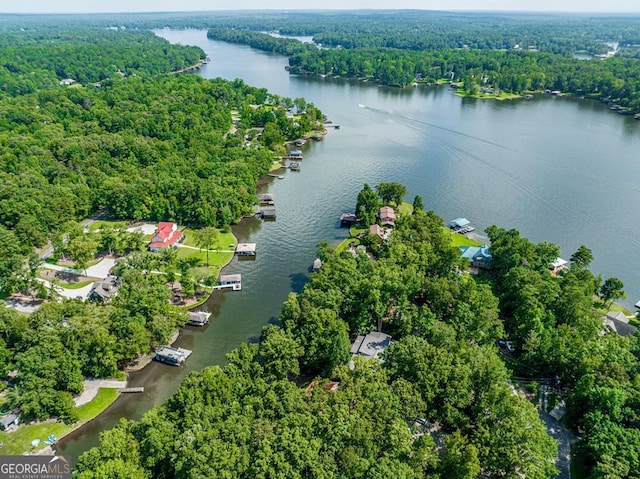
x=558 y=265
x=378 y=231
x=617 y=322
x=478 y=256
x=67 y=82
x=387 y=216
x=246 y=249
x=347 y=220
x=103 y=291
x=371 y=345
x=166 y=235
x=317 y=264
x=198 y=318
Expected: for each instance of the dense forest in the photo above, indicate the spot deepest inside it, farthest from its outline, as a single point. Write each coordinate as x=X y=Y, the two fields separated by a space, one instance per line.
x=439 y=405
x=137 y=148
x=38 y=58
x=514 y=71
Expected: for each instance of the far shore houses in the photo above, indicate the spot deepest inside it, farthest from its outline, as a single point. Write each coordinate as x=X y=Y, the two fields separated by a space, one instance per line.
x=167 y=234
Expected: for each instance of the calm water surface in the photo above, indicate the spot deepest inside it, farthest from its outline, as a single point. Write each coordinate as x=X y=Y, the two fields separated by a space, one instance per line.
x=557 y=169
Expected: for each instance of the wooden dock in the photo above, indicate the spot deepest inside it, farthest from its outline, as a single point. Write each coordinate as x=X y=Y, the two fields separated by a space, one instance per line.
x=131 y=390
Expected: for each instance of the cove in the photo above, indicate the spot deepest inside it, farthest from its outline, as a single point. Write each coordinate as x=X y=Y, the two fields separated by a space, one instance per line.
x=557 y=169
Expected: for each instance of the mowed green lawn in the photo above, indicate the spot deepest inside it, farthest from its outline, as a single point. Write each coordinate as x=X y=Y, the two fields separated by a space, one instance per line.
x=19 y=441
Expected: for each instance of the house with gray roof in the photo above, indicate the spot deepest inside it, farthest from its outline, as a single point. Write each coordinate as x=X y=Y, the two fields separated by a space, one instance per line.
x=103 y=291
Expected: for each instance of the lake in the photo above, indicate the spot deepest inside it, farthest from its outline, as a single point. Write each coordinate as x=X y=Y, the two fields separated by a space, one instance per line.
x=562 y=170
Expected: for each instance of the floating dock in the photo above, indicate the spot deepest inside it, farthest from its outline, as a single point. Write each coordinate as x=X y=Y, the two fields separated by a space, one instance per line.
x=172 y=356
x=131 y=390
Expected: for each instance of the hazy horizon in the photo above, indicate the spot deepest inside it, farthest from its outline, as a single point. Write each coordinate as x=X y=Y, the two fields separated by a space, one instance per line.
x=186 y=6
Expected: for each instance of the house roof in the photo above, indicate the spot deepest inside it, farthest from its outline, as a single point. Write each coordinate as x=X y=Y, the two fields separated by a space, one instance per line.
x=617 y=315
x=8 y=420
x=246 y=248
x=459 y=222
x=166 y=234
x=620 y=327
x=376 y=230
x=106 y=288
x=225 y=278
x=317 y=264
x=475 y=252
x=371 y=345
x=348 y=217
x=559 y=263
x=387 y=212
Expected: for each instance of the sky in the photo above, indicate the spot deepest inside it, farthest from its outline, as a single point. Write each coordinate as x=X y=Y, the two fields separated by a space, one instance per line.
x=98 y=6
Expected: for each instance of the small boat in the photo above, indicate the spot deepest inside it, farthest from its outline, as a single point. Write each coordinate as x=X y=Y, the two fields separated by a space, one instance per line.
x=636 y=116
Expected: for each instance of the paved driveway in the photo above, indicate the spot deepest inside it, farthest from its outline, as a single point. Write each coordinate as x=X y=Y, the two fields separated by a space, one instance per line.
x=101 y=270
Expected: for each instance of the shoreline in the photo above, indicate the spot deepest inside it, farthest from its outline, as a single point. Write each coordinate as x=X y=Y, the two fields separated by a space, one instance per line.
x=144 y=360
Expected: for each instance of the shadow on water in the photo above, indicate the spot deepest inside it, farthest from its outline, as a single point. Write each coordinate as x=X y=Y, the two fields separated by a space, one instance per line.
x=298 y=280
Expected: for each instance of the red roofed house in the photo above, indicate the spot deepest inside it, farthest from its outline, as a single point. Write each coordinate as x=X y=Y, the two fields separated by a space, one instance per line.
x=166 y=235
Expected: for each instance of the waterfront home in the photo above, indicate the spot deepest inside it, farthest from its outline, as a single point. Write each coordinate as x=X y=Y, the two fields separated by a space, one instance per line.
x=347 y=220
x=198 y=318
x=317 y=264
x=371 y=345
x=377 y=230
x=558 y=265
x=9 y=422
x=478 y=256
x=246 y=249
x=387 y=216
x=103 y=291
x=67 y=82
x=166 y=235
x=617 y=322
x=266 y=199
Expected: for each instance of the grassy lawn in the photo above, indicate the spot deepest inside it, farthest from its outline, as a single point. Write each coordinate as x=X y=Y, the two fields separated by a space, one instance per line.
x=461 y=240
x=346 y=243
x=99 y=224
x=226 y=241
x=356 y=230
x=405 y=208
x=277 y=164
x=19 y=441
x=488 y=96
x=216 y=259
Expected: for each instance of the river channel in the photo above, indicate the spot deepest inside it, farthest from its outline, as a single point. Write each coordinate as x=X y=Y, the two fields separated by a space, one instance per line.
x=557 y=169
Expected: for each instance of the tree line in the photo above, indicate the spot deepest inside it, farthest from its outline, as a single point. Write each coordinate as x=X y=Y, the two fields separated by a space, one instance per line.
x=38 y=58
x=514 y=71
